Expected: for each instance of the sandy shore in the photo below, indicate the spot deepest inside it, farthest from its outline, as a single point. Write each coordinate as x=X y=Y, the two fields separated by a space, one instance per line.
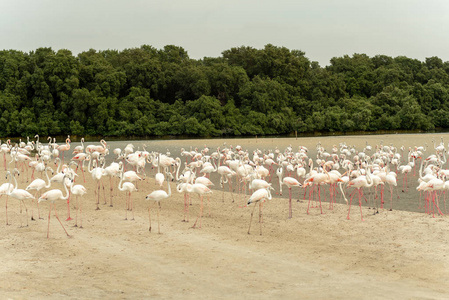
x=391 y=255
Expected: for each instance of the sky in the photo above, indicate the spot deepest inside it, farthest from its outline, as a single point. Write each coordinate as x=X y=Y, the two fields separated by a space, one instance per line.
x=205 y=28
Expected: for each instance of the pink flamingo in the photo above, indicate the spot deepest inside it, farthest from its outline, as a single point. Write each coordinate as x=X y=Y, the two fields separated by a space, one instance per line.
x=317 y=179
x=65 y=147
x=199 y=189
x=358 y=183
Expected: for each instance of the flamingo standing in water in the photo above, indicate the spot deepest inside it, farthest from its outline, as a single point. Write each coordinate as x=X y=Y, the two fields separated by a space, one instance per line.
x=65 y=147
x=5 y=148
x=157 y=196
x=258 y=196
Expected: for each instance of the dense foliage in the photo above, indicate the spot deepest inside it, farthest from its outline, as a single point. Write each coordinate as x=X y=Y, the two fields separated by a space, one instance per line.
x=149 y=92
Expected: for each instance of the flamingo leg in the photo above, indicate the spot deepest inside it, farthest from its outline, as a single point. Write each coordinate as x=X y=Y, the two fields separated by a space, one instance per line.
x=48 y=227
x=200 y=214
x=132 y=205
x=350 y=201
x=6 y=210
x=260 y=216
x=158 y=223
x=68 y=207
x=149 y=217
x=290 y=203
x=319 y=197
x=76 y=215
x=251 y=219
x=310 y=198
x=111 y=191
x=360 y=203
x=56 y=214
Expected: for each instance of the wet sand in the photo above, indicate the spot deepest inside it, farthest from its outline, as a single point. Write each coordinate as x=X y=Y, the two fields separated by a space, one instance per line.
x=391 y=255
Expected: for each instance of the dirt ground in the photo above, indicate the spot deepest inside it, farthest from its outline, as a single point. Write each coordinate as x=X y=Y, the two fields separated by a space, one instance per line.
x=391 y=255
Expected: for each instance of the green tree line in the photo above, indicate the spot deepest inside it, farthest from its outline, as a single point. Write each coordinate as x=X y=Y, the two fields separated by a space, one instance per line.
x=246 y=91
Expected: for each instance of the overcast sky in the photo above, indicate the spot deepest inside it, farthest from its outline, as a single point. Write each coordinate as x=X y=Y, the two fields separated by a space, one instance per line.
x=321 y=28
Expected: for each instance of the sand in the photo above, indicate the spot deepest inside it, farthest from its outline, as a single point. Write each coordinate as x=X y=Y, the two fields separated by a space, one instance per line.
x=391 y=255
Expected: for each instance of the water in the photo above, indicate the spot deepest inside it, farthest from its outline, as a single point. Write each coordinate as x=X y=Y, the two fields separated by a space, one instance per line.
x=407 y=200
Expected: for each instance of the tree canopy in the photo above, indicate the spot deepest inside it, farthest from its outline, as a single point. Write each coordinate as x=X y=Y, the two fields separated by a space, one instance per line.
x=152 y=92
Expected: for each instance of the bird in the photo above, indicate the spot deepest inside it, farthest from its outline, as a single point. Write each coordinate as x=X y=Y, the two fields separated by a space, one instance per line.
x=97 y=174
x=19 y=194
x=129 y=188
x=206 y=181
x=359 y=183
x=65 y=147
x=200 y=189
x=111 y=171
x=38 y=184
x=258 y=196
x=79 y=148
x=182 y=188
x=290 y=182
x=52 y=196
x=5 y=189
x=79 y=191
x=157 y=196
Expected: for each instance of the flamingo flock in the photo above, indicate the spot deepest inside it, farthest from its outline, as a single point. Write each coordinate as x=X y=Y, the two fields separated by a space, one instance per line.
x=337 y=175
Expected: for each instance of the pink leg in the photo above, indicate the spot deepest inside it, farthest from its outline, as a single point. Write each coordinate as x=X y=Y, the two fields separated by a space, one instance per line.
x=360 y=203
x=350 y=201
x=56 y=214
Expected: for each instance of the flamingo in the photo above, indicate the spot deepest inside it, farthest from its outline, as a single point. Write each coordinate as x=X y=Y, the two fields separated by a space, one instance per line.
x=358 y=183
x=317 y=179
x=391 y=180
x=79 y=148
x=79 y=191
x=38 y=184
x=127 y=187
x=5 y=148
x=182 y=188
x=258 y=196
x=290 y=182
x=111 y=171
x=224 y=171
x=19 y=194
x=5 y=189
x=206 y=181
x=97 y=174
x=52 y=196
x=199 y=189
x=65 y=147
x=157 y=196
x=80 y=158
